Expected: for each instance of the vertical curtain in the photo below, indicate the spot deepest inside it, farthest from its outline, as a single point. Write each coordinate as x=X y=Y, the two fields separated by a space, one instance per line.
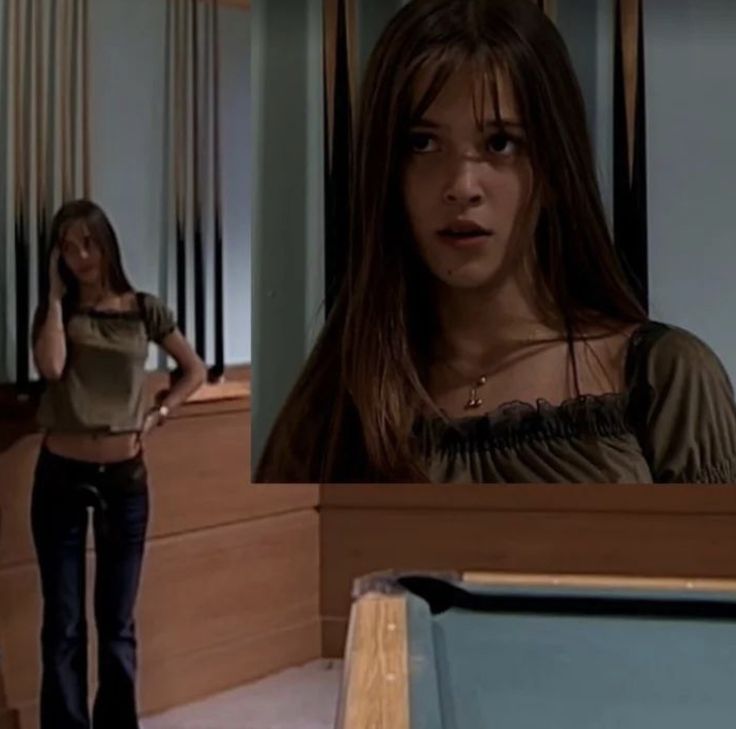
x=44 y=133
x=196 y=175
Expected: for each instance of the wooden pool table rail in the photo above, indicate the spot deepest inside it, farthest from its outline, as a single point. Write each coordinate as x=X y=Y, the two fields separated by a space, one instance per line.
x=677 y=584
x=375 y=689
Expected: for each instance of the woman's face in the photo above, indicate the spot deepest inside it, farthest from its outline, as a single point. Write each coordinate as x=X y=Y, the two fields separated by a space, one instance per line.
x=81 y=254
x=465 y=188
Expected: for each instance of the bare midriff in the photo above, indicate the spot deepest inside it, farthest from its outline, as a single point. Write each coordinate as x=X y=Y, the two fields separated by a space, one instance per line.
x=94 y=448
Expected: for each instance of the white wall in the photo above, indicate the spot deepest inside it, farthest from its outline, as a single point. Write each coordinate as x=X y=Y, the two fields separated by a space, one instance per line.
x=691 y=167
x=689 y=57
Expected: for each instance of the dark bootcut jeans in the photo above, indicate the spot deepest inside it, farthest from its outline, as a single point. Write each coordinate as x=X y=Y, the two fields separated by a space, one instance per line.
x=63 y=491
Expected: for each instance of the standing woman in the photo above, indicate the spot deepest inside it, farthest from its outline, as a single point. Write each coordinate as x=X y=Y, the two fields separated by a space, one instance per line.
x=90 y=337
x=485 y=331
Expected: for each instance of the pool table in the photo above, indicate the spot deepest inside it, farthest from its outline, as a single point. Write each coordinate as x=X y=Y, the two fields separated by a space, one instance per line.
x=500 y=651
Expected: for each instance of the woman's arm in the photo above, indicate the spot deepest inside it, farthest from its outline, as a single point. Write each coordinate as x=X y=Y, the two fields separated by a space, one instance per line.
x=49 y=337
x=193 y=370
x=193 y=374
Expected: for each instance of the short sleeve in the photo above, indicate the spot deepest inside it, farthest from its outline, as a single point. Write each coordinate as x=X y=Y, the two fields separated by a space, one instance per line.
x=158 y=318
x=686 y=421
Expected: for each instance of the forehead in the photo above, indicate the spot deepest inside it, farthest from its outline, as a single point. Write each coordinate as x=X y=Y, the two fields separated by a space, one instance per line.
x=76 y=232
x=467 y=90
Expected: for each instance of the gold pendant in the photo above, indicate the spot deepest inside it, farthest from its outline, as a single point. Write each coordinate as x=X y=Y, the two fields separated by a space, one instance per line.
x=474 y=401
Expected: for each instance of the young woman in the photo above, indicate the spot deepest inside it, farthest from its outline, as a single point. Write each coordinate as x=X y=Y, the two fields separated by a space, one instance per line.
x=486 y=331
x=90 y=343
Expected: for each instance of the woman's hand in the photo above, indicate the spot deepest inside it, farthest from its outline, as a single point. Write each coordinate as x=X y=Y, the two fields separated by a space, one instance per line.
x=152 y=420
x=57 y=289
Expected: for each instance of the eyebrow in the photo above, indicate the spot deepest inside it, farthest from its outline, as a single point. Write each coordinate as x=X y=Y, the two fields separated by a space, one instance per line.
x=430 y=124
x=71 y=241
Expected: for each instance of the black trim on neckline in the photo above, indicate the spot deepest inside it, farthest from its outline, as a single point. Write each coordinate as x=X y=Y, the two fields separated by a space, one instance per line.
x=107 y=314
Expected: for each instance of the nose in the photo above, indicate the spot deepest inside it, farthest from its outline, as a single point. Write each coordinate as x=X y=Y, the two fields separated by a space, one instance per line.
x=463 y=184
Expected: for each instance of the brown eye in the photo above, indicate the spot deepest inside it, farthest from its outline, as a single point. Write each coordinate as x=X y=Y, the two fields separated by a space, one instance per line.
x=421 y=142
x=502 y=143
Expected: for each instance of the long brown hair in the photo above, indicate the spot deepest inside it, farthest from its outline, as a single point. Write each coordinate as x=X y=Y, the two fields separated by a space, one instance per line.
x=103 y=234
x=350 y=416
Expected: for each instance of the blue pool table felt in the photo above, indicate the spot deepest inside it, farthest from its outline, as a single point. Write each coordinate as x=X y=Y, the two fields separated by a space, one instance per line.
x=476 y=670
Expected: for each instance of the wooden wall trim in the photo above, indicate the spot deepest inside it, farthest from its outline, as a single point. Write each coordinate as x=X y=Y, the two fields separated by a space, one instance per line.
x=620 y=499
x=686 y=532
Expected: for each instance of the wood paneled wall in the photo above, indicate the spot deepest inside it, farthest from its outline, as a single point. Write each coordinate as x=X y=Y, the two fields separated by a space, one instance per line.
x=230 y=583
x=687 y=531
x=241 y=580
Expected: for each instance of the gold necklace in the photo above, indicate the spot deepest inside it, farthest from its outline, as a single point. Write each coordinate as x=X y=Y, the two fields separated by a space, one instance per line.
x=474 y=400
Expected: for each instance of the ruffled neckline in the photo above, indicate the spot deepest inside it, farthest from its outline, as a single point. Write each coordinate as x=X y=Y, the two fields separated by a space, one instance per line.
x=91 y=311
x=108 y=313
x=516 y=421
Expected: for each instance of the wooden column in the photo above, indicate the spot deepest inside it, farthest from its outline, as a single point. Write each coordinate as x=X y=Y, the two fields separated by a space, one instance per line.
x=629 y=146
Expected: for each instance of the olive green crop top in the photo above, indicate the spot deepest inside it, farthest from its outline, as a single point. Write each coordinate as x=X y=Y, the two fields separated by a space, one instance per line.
x=676 y=422
x=102 y=387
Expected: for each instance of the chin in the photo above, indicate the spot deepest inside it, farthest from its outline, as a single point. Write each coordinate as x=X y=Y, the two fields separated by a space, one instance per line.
x=465 y=276
x=89 y=279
